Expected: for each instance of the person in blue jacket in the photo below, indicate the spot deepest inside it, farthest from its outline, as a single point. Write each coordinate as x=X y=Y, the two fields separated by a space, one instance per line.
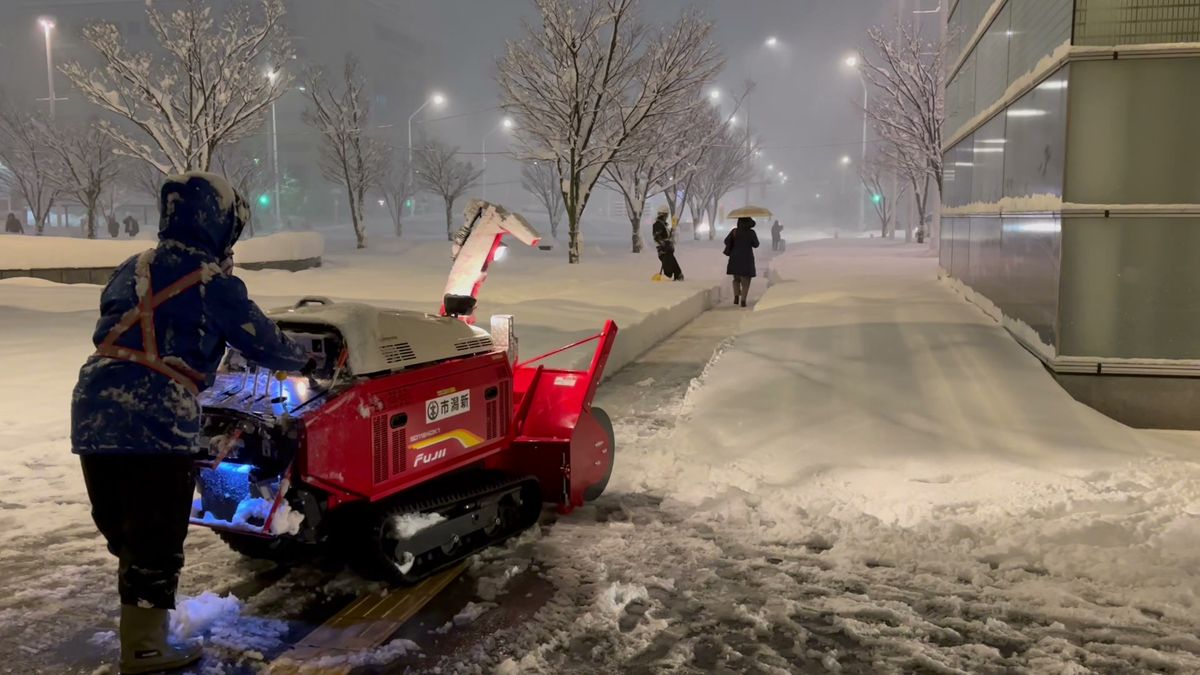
x=166 y=316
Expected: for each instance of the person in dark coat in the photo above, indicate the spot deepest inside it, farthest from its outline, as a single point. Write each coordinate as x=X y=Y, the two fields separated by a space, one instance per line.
x=12 y=225
x=131 y=226
x=776 y=236
x=739 y=246
x=664 y=242
x=114 y=228
x=166 y=316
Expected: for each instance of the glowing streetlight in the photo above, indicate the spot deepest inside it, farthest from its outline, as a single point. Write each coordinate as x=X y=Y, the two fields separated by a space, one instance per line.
x=47 y=25
x=845 y=160
x=437 y=99
x=714 y=95
x=733 y=119
x=272 y=76
x=506 y=124
x=770 y=167
x=772 y=41
x=851 y=61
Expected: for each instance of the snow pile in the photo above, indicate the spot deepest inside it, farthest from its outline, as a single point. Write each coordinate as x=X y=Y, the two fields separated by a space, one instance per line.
x=29 y=252
x=221 y=621
x=408 y=524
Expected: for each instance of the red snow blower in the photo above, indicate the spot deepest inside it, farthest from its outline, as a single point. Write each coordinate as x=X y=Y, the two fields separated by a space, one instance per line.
x=419 y=439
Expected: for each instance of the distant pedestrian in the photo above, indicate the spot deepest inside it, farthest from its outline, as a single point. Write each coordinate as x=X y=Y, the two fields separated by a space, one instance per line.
x=776 y=236
x=739 y=246
x=131 y=226
x=664 y=242
x=12 y=225
x=114 y=228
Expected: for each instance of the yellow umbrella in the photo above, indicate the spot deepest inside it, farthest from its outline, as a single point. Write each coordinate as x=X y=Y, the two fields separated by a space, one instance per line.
x=749 y=212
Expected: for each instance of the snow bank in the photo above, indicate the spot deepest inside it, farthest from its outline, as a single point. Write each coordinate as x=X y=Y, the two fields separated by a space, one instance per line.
x=29 y=252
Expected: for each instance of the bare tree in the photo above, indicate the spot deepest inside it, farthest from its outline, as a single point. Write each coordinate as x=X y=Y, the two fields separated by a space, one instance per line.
x=679 y=143
x=908 y=108
x=724 y=164
x=873 y=173
x=440 y=171
x=84 y=165
x=28 y=163
x=586 y=83
x=541 y=180
x=348 y=156
x=394 y=186
x=246 y=173
x=144 y=179
x=208 y=90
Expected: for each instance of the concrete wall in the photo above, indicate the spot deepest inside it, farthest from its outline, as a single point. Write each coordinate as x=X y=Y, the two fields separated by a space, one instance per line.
x=100 y=275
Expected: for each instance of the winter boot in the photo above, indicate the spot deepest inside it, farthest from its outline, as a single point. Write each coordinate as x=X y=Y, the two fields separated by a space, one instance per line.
x=743 y=302
x=736 y=299
x=144 y=646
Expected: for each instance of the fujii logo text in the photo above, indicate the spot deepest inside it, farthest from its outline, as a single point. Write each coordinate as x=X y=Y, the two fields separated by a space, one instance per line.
x=428 y=457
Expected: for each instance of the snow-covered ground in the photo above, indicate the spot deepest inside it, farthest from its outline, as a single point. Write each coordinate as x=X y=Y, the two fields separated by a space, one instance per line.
x=872 y=477
x=869 y=476
x=57 y=578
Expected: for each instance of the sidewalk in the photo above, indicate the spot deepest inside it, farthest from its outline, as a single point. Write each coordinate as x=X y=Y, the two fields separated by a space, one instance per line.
x=866 y=411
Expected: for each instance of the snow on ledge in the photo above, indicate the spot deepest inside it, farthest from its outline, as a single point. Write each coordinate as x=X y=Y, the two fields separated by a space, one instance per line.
x=26 y=252
x=1023 y=332
x=1046 y=203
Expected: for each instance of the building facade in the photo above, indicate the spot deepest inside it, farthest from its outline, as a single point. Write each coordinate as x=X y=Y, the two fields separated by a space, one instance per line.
x=1072 y=191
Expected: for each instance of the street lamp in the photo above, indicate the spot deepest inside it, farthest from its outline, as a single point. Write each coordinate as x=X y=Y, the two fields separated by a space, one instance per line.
x=437 y=99
x=772 y=41
x=770 y=167
x=272 y=76
x=714 y=95
x=47 y=25
x=852 y=62
x=505 y=124
x=845 y=160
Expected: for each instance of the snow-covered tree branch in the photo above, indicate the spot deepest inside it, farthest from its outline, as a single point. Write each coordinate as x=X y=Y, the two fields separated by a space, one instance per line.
x=587 y=82
x=541 y=180
x=208 y=86
x=393 y=184
x=723 y=164
x=246 y=174
x=348 y=156
x=27 y=163
x=908 y=106
x=84 y=165
x=439 y=170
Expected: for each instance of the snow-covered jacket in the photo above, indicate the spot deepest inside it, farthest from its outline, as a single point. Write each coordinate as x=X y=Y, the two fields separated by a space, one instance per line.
x=741 y=242
x=165 y=318
x=662 y=236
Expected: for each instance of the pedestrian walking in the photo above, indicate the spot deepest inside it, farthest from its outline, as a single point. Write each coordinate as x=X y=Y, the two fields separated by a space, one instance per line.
x=114 y=228
x=664 y=242
x=776 y=236
x=12 y=225
x=739 y=246
x=131 y=226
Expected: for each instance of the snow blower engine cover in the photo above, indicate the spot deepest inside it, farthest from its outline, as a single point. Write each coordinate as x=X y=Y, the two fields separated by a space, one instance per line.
x=473 y=249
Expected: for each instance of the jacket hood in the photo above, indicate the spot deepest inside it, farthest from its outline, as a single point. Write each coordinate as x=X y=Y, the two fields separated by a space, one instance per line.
x=201 y=210
x=744 y=223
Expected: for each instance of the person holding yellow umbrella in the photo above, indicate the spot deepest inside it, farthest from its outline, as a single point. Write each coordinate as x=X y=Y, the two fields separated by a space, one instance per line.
x=739 y=246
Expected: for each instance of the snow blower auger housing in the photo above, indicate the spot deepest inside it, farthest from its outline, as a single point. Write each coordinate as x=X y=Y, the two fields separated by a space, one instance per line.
x=418 y=440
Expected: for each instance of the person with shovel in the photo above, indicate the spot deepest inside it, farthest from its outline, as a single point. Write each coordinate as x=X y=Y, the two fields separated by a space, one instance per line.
x=664 y=242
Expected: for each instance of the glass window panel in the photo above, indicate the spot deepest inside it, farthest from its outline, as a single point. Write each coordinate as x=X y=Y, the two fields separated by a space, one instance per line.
x=1131 y=287
x=1034 y=144
x=1028 y=272
x=987 y=162
x=1038 y=28
x=991 y=62
x=1133 y=136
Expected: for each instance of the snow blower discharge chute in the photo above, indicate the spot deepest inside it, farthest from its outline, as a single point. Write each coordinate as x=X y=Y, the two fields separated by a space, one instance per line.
x=419 y=439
